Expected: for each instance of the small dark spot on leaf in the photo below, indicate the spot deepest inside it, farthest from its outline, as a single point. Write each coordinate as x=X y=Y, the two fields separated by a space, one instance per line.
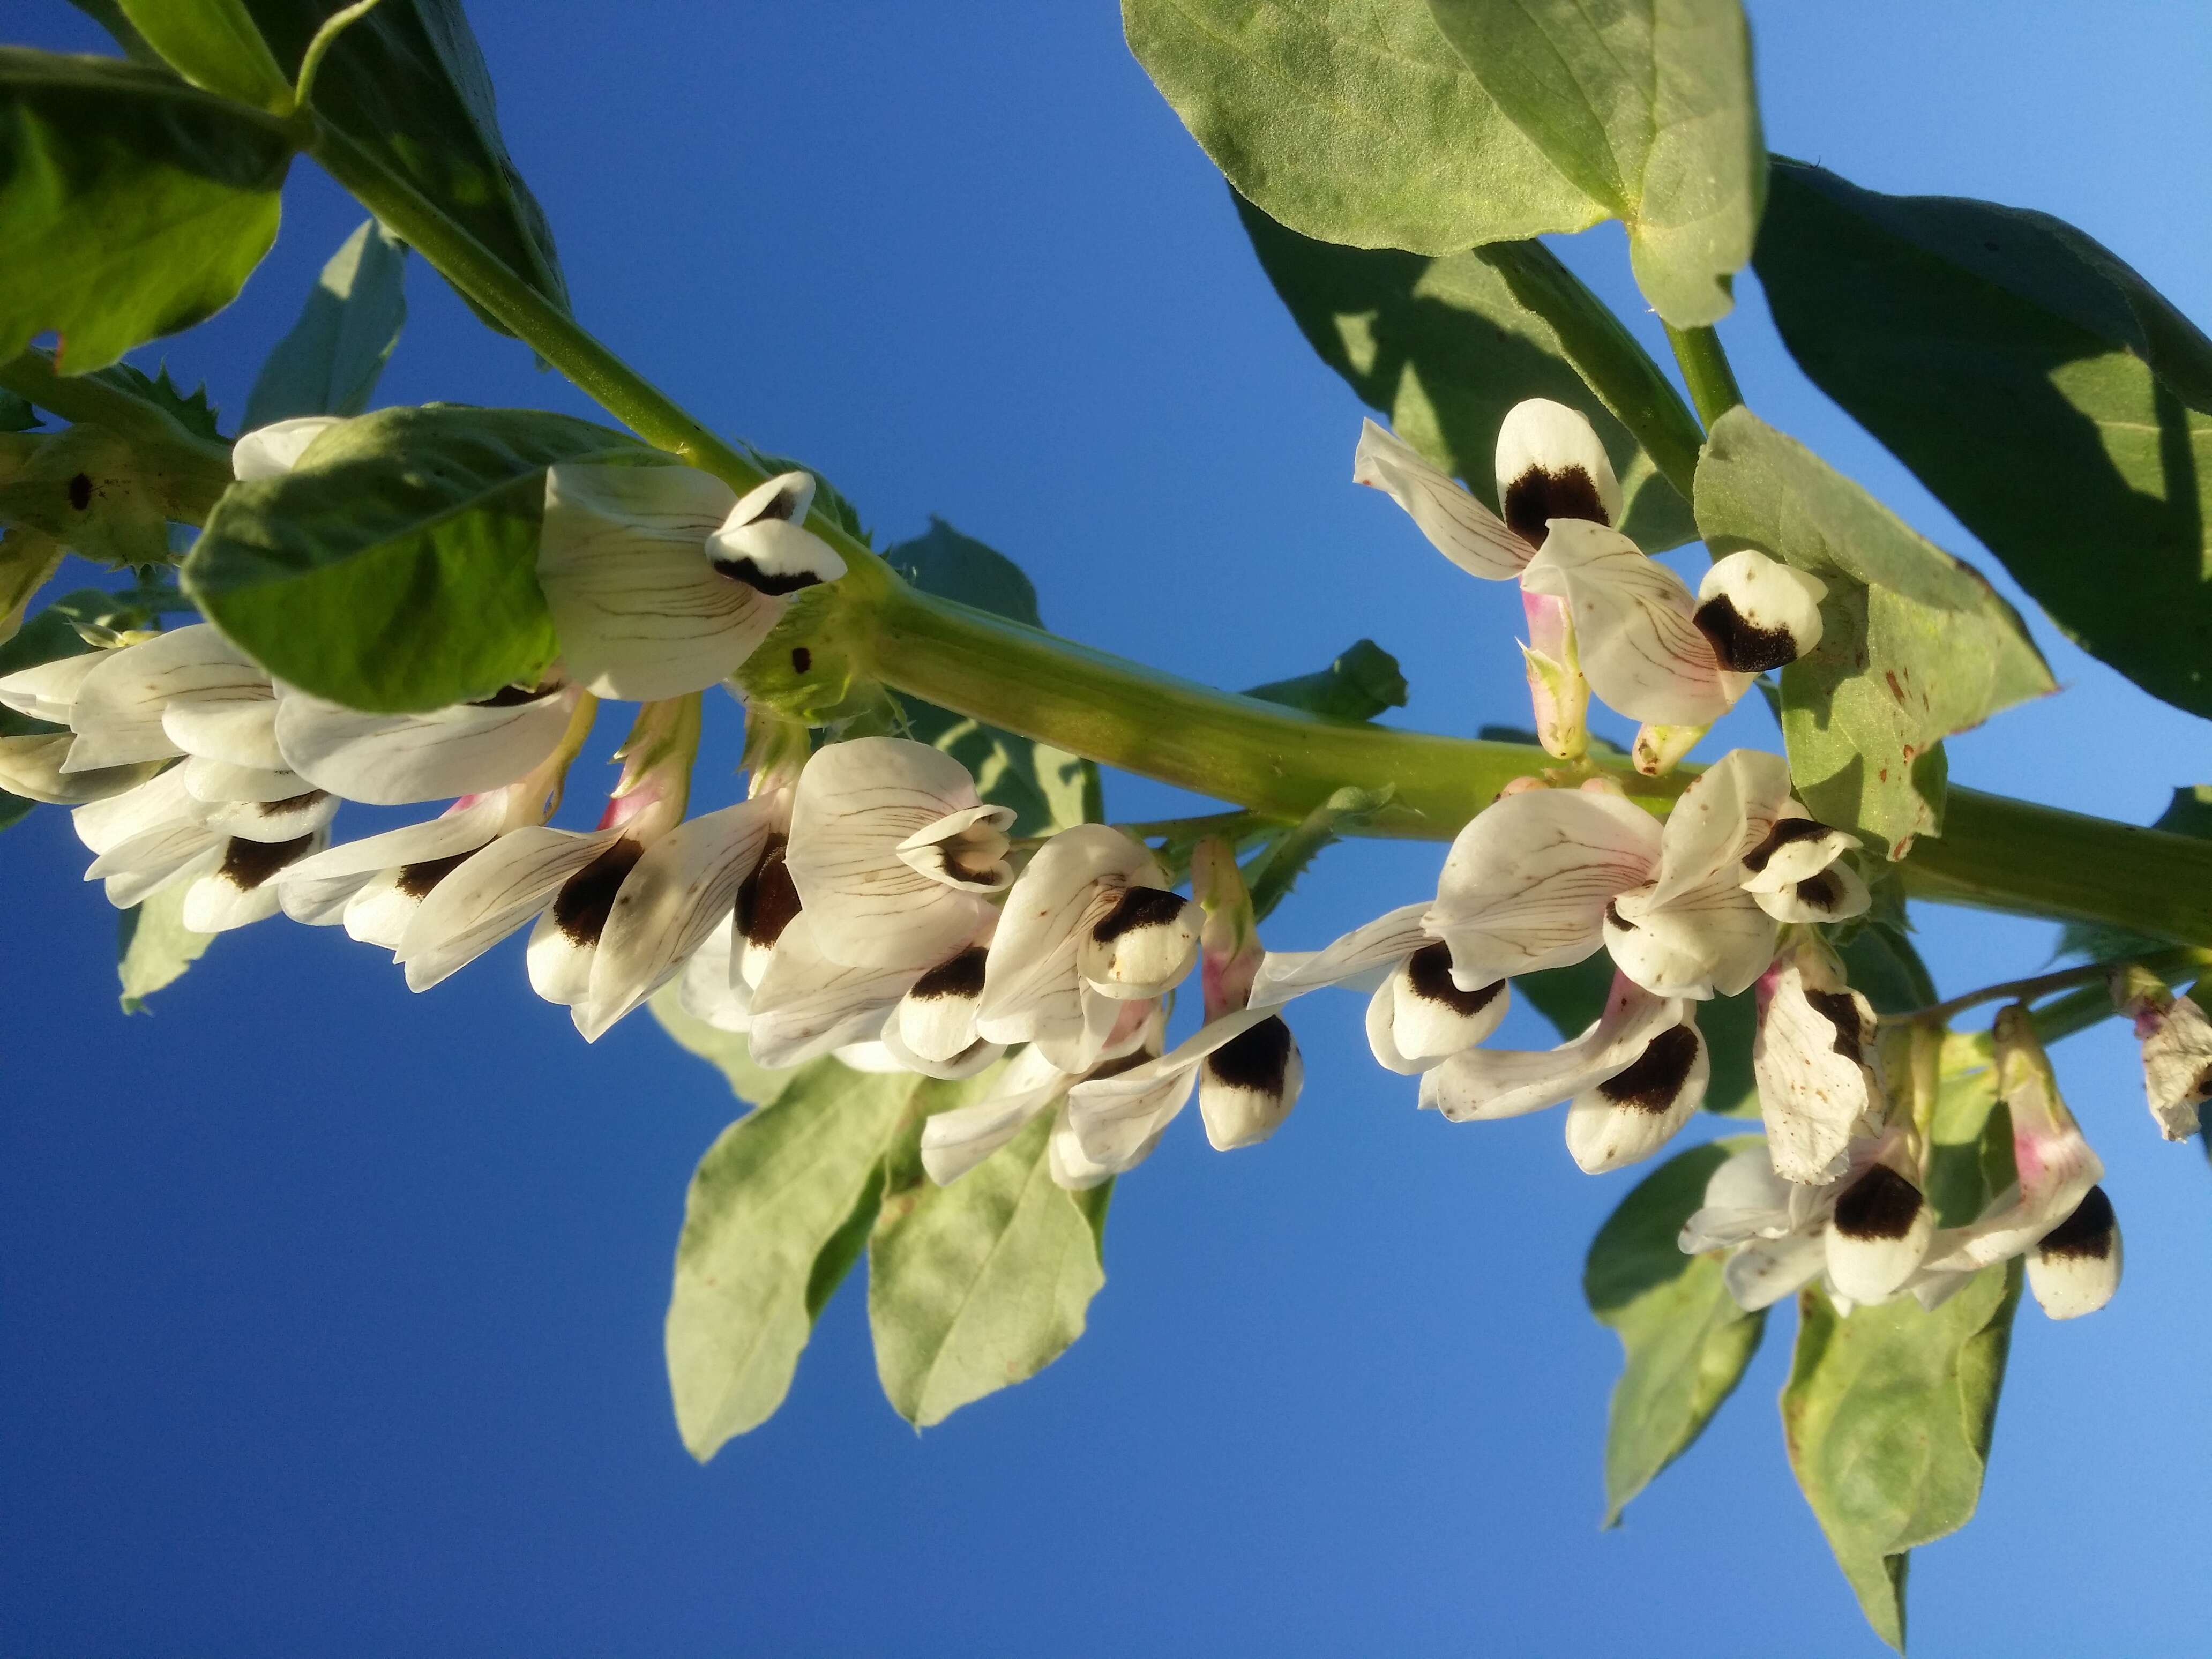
x=801 y=659
x=79 y=492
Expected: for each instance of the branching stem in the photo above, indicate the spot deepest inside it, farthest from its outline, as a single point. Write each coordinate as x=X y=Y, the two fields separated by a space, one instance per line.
x=2165 y=964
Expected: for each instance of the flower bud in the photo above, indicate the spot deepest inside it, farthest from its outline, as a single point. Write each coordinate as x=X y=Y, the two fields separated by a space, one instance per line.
x=1878 y=1235
x=1759 y=612
x=1144 y=943
x=1247 y=1086
x=1659 y=749
x=2074 y=1268
x=1558 y=696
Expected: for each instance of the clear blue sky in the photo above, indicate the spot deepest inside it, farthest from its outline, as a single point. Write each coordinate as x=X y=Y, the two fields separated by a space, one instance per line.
x=330 y=1316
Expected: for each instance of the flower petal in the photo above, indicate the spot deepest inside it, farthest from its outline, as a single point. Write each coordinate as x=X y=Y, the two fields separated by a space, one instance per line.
x=2075 y=1267
x=456 y=833
x=1369 y=952
x=272 y=820
x=118 y=713
x=1420 y=1017
x=806 y=1005
x=493 y=893
x=708 y=990
x=1247 y=1085
x=1483 y=1084
x=1878 y=1234
x=1759 y=612
x=272 y=450
x=31 y=766
x=1796 y=848
x=1836 y=894
x=639 y=611
x=1809 y=1056
x=763 y=544
x=955 y=1142
x=239 y=730
x=240 y=889
x=216 y=781
x=1729 y=811
x=394 y=760
x=1551 y=465
x=1635 y=1111
x=145 y=863
x=48 y=690
x=160 y=802
x=1763 y=1272
x=1640 y=652
x=1457 y=525
x=1714 y=940
x=1744 y=1200
x=1527 y=882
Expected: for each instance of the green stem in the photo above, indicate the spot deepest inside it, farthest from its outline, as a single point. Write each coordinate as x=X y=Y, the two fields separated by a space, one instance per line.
x=1706 y=371
x=2000 y=853
x=1606 y=354
x=2165 y=964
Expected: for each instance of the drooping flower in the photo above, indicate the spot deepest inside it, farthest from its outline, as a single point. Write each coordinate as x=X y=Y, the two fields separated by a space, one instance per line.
x=1813 y=1056
x=397 y=760
x=149 y=837
x=661 y=580
x=1632 y=1079
x=1088 y=926
x=2177 y=1049
x=2074 y=1268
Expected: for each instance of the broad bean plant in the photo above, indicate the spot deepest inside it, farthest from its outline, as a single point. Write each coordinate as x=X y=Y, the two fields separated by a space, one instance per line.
x=939 y=972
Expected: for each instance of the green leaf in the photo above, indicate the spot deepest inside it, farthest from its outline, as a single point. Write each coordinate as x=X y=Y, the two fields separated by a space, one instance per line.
x=214 y=44
x=1887 y=1416
x=131 y=205
x=193 y=412
x=1915 y=645
x=1881 y=962
x=330 y=362
x=1684 y=1341
x=17 y=414
x=27 y=557
x=1571 y=998
x=154 y=947
x=96 y=493
x=1048 y=788
x=980 y=1284
x=2042 y=389
x=395 y=567
x=407 y=83
x=776 y=1194
x=1443 y=348
x=1648 y=108
x=2189 y=813
x=109 y=15
x=1351 y=120
x=1356 y=686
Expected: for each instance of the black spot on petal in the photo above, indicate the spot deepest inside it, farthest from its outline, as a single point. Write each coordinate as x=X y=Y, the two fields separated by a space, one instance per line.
x=1786 y=832
x=960 y=977
x=780 y=506
x=1654 y=1081
x=1428 y=970
x=1137 y=908
x=1822 y=892
x=247 y=864
x=416 y=880
x=801 y=659
x=580 y=907
x=1119 y=1064
x=1258 y=1059
x=775 y=584
x=1537 y=496
x=1880 y=1204
x=79 y=492
x=766 y=900
x=277 y=809
x=1612 y=914
x=1741 y=647
x=1837 y=1008
x=2089 y=1232
x=514 y=697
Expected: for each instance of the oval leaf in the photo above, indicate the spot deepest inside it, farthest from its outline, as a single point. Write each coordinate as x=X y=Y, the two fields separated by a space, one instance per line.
x=213 y=44
x=1647 y=107
x=2042 y=389
x=395 y=568
x=1351 y=120
x=1444 y=347
x=1685 y=1343
x=1915 y=645
x=331 y=361
x=131 y=205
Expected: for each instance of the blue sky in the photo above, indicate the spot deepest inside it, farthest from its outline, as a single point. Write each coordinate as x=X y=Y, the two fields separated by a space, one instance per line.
x=330 y=1316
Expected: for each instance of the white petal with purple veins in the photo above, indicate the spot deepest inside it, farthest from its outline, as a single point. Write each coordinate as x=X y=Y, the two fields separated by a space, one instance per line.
x=394 y=760
x=1640 y=652
x=1457 y=525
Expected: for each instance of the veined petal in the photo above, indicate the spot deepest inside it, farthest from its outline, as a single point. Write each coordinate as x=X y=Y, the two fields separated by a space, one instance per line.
x=272 y=450
x=1760 y=1273
x=976 y=1057
x=1810 y=1058
x=457 y=832
x=239 y=889
x=965 y=849
x=565 y=945
x=2177 y=1050
x=239 y=730
x=709 y=990
x=623 y=559
x=272 y=820
x=1744 y=1200
x=1369 y=952
x=1759 y=612
x=319 y=904
x=806 y=1004
x=1713 y=941
x=1419 y=1016
x=1551 y=465
x=160 y=802
x=1728 y=812
x=856 y=803
x=955 y=1142
x=147 y=863
x=214 y=781
x=493 y=893
x=1484 y=1084
x=47 y=691
x=1635 y=1111
x=684 y=887
x=395 y=760
x=1640 y=652
x=31 y=766
x=118 y=712
x=1527 y=882
x=1071 y=1169
x=1457 y=525
x=1796 y=848
x=1119 y=1122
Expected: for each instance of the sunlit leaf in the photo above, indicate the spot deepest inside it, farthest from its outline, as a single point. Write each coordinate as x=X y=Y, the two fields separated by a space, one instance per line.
x=213 y=44
x=2042 y=389
x=1351 y=120
x=1359 y=685
x=1443 y=348
x=1685 y=1343
x=1915 y=645
x=1647 y=107
x=330 y=361
x=395 y=567
x=154 y=947
x=131 y=205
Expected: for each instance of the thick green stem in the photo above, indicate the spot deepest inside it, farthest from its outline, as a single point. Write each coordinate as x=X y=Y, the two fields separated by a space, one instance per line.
x=1606 y=354
x=2000 y=853
x=1706 y=371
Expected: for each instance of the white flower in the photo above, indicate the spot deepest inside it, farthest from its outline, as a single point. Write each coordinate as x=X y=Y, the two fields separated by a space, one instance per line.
x=397 y=760
x=1416 y=1015
x=149 y=837
x=1816 y=1063
x=955 y=1142
x=661 y=580
x=894 y=856
x=272 y=450
x=1087 y=926
x=31 y=766
x=2177 y=1049
x=1772 y=1229
x=1633 y=1078
x=188 y=691
x=2075 y=1266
